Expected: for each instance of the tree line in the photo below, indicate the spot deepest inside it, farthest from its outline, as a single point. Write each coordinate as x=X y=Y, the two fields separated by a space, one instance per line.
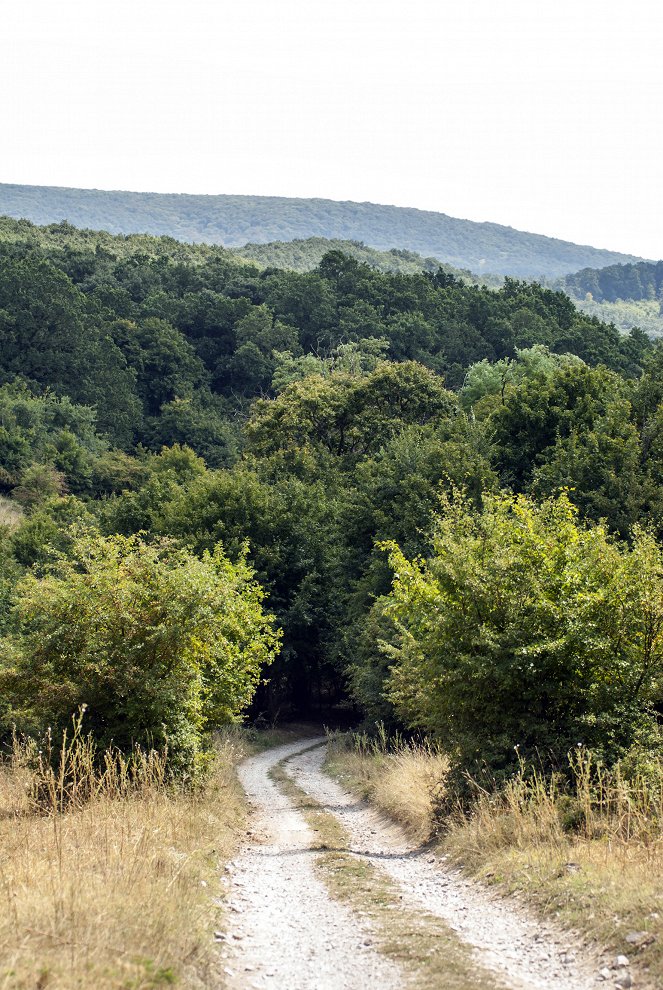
x=433 y=502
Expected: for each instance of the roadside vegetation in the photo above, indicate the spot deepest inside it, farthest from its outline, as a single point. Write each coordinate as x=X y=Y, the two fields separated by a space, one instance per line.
x=230 y=492
x=109 y=871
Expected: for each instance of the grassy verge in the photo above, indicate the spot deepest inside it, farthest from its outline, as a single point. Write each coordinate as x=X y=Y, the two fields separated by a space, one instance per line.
x=427 y=951
x=11 y=514
x=603 y=879
x=116 y=890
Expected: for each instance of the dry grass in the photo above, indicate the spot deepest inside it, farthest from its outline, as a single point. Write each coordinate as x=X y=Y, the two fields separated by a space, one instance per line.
x=399 y=777
x=11 y=514
x=593 y=860
x=109 y=880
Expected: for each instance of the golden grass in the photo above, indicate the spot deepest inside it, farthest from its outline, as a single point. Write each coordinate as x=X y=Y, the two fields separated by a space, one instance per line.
x=11 y=514
x=403 y=779
x=603 y=876
x=117 y=889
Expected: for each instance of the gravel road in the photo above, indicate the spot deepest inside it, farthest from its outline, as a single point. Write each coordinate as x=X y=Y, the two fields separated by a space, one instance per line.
x=286 y=933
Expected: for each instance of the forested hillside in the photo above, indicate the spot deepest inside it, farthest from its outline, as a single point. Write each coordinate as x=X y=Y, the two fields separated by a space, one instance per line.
x=635 y=282
x=236 y=220
x=305 y=255
x=237 y=467
x=627 y=295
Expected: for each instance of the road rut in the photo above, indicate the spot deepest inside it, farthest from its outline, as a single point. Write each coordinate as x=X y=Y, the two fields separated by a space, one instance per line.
x=287 y=933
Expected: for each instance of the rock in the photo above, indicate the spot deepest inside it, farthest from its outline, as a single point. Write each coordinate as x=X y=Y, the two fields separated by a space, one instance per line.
x=203 y=883
x=605 y=974
x=624 y=980
x=640 y=939
x=620 y=962
x=219 y=937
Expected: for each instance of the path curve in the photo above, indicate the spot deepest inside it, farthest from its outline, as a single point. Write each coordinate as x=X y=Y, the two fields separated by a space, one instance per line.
x=287 y=933
x=529 y=954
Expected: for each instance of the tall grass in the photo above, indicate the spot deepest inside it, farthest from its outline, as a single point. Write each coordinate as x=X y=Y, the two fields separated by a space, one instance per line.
x=407 y=779
x=585 y=847
x=400 y=776
x=107 y=871
x=70 y=775
x=592 y=803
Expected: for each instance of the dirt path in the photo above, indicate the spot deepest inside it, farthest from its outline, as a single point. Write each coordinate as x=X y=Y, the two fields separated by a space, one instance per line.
x=288 y=934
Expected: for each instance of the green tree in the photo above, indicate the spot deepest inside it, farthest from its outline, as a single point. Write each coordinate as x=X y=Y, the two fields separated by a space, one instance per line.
x=526 y=629
x=348 y=415
x=158 y=644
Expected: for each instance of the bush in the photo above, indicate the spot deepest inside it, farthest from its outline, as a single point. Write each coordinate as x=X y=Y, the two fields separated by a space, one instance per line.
x=156 y=643
x=526 y=633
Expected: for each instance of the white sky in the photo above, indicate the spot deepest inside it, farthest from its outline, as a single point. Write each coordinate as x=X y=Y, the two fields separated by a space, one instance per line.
x=543 y=115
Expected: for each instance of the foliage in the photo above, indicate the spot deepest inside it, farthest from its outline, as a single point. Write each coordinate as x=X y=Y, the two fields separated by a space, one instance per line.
x=157 y=391
x=347 y=415
x=632 y=281
x=157 y=644
x=526 y=632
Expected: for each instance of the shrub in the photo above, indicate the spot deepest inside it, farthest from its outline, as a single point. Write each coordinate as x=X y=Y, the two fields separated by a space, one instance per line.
x=527 y=632
x=156 y=643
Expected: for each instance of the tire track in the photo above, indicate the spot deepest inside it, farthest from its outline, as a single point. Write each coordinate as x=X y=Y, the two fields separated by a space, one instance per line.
x=529 y=954
x=288 y=933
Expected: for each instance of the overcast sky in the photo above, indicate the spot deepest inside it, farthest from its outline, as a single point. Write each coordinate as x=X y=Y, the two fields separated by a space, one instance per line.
x=542 y=115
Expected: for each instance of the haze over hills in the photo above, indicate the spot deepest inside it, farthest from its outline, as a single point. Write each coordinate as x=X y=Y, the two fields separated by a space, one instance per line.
x=235 y=220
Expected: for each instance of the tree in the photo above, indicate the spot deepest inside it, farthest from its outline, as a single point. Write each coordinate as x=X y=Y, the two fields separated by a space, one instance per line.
x=526 y=632
x=157 y=644
x=348 y=415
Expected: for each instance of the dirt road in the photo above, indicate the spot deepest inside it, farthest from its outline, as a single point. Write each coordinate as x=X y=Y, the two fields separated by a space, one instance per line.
x=287 y=933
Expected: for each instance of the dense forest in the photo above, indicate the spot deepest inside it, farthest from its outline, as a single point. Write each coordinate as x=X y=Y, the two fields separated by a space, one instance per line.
x=634 y=282
x=421 y=498
x=235 y=220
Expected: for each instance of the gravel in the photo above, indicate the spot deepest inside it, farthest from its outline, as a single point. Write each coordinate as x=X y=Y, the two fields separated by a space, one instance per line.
x=287 y=933
x=508 y=939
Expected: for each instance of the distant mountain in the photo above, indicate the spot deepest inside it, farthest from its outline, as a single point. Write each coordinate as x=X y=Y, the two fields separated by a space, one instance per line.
x=235 y=220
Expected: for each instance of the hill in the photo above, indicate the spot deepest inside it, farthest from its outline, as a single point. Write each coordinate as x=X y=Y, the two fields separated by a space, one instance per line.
x=627 y=295
x=235 y=220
